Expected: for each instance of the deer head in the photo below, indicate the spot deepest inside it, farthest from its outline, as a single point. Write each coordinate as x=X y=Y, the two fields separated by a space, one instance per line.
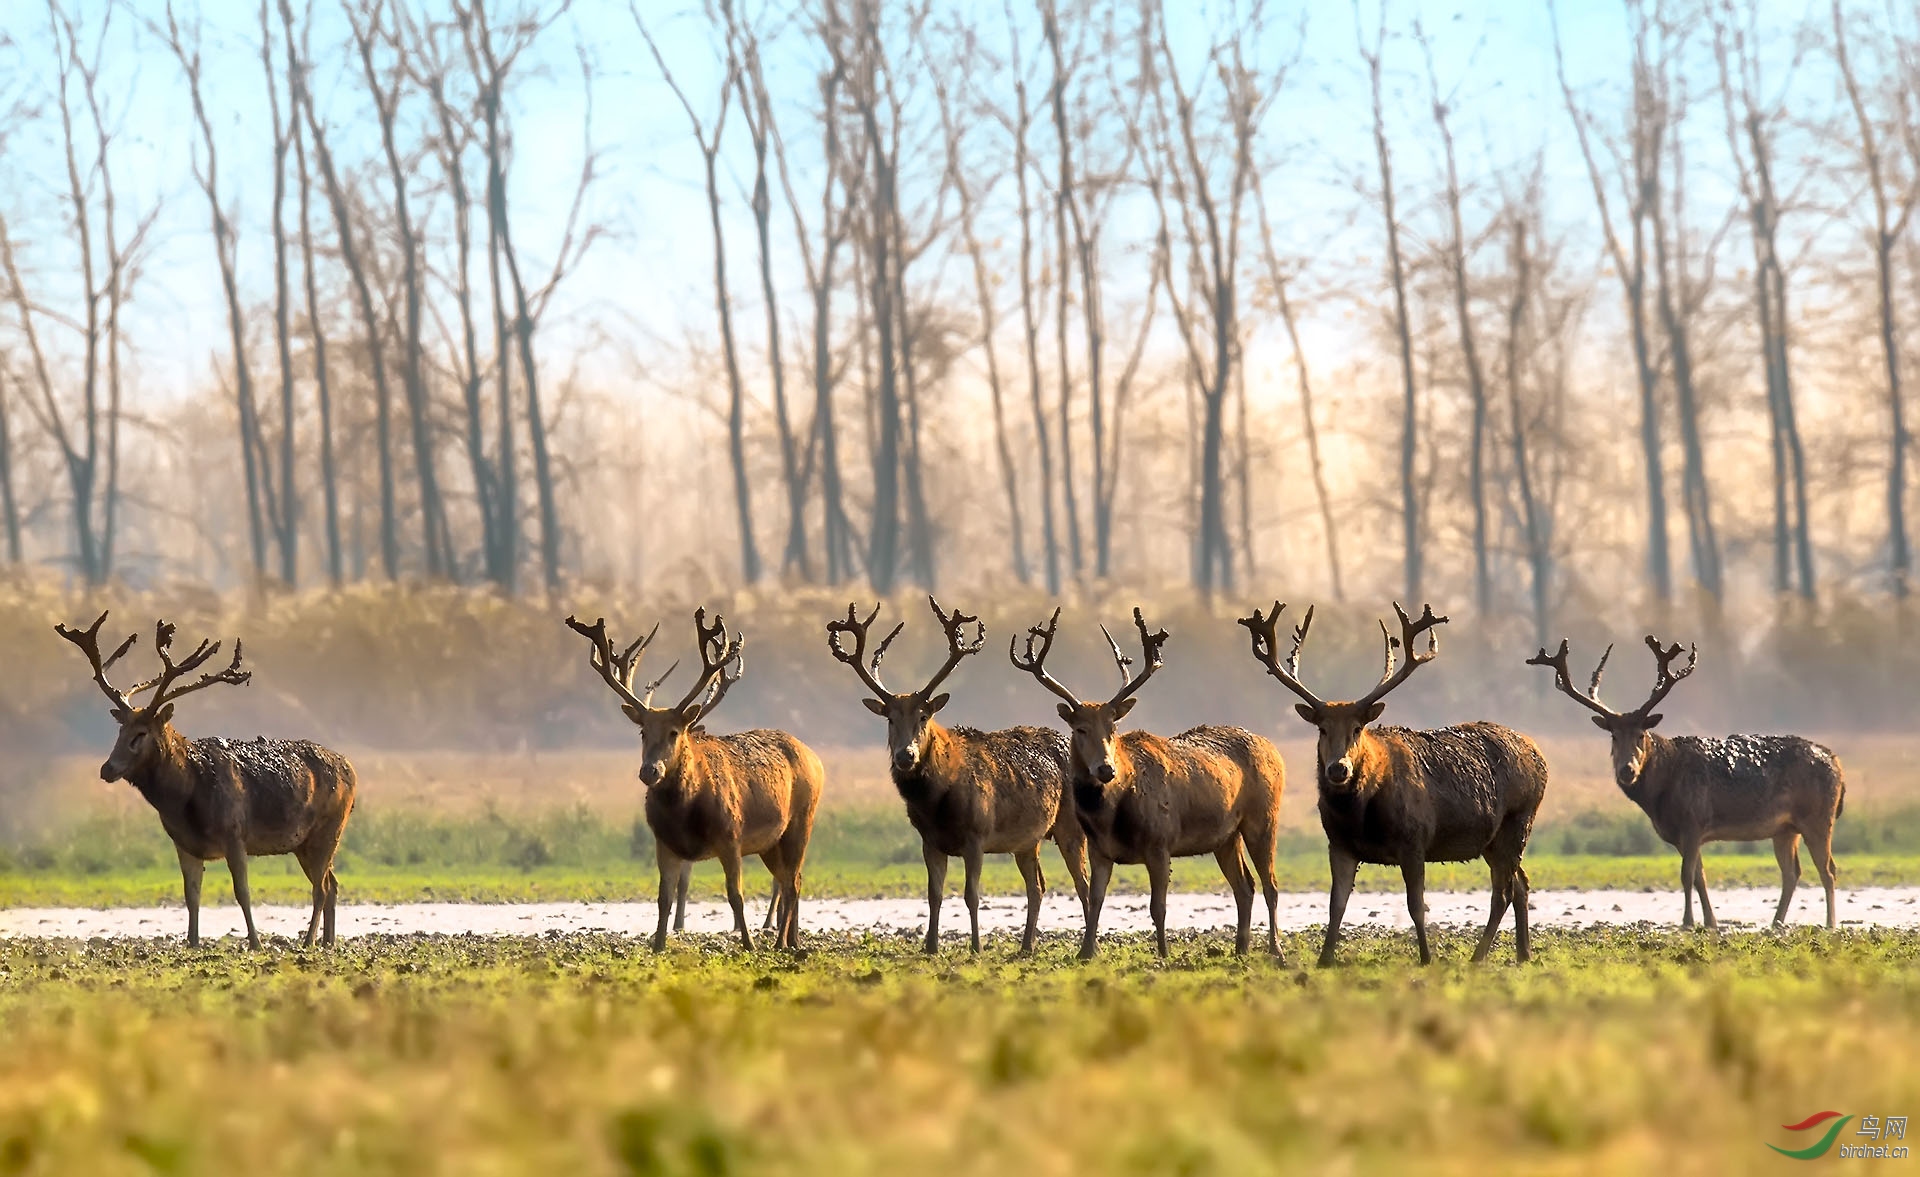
x=1093 y=724
x=908 y=715
x=1628 y=728
x=664 y=730
x=1341 y=724
x=143 y=727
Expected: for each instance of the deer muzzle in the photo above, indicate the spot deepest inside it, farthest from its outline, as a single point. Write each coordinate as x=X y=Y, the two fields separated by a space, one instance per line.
x=109 y=771
x=1339 y=772
x=904 y=759
x=652 y=774
x=1104 y=774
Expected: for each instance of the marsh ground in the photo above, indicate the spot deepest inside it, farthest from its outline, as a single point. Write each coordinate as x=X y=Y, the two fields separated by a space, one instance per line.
x=1622 y=1051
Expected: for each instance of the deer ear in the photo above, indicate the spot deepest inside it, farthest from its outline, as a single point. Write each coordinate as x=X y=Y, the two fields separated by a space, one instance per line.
x=875 y=706
x=1307 y=713
x=633 y=712
x=937 y=702
x=120 y=714
x=1376 y=711
x=1653 y=721
x=1120 y=709
x=1065 y=711
x=1600 y=721
x=164 y=716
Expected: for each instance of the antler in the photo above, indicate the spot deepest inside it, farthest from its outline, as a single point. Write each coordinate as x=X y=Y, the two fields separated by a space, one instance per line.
x=1150 y=644
x=725 y=682
x=869 y=672
x=955 y=624
x=1410 y=630
x=170 y=671
x=1563 y=678
x=617 y=669
x=88 y=640
x=716 y=651
x=1036 y=660
x=1664 y=679
x=1266 y=649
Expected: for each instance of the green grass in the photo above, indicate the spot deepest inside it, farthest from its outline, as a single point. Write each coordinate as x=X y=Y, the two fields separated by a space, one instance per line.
x=576 y=854
x=1615 y=1051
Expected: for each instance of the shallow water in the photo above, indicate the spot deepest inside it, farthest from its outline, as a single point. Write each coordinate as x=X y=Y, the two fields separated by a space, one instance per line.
x=1895 y=907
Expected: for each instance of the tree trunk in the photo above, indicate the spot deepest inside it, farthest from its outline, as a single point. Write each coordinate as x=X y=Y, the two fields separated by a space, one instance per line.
x=1030 y=322
x=329 y=483
x=9 y=509
x=1412 y=552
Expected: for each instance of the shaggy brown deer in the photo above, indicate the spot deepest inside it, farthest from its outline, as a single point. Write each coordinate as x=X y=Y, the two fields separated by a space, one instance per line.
x=725 y=797
x=1147 y=799
x=221 y=798
x=1736 y=789
x=1402 y=797
x=968 y=792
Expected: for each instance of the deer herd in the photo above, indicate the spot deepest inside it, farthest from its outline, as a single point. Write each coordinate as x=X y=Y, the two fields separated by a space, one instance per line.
x=1388 y=795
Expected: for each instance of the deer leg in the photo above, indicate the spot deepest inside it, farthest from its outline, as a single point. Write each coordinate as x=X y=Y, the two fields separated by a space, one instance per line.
x=1688 y=855
x=1345 y=867
x=333 y=901
x=316 y=872
x=191 y=872
x=730 y=866
x=669 y=882
x=1821 y=848
x=793 y=848
x=1786 y=850
x=1101 y=870
x=237 y=867
x=1700 y=885
x=1414 y=871
x=936 y=892
x=1260 y=849
x=680 y=897
x=1159 y=868
x=1502 y=876
x=1029 y=863
x=1072 y=844
x=1228 y=857
x=1522 y=938
x=972 y=860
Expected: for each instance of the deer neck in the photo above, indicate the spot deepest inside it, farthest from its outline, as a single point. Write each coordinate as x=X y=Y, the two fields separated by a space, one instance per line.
x=940 y=760
x=167 y=778
x=1369 y=759
x=1653 y=768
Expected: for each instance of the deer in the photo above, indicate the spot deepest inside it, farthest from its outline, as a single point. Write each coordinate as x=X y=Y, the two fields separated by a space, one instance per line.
x=968 y=792
x=753 y=792
x=1404 y=797
x=1733 y=789
x=220 y=798
x=1147 y=799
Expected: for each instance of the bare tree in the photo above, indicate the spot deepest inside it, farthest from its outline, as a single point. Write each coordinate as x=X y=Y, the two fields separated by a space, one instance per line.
x=1456 y=263
x=1022 y=125
x=1893 y=204
x=1066 y=211
x=366 y=18
x=709 y=143
x=297 y=101
x=1751 y=127
x=1637 y=166
x=1413 y=553
x=968 y=58
x=9 y=508
x=1278 y=283
x=285 y=519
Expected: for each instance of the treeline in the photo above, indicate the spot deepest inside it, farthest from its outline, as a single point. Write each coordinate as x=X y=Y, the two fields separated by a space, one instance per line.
x=1062 y=293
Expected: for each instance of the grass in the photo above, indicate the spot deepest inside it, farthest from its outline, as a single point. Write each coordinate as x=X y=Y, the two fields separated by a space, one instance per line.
x=1615 y=1051
x=576 y=853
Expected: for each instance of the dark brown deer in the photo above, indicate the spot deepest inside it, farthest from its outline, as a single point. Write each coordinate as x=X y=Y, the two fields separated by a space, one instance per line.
x=221 y=798
x=968 y=792
x=1148 y=799
x=1736 y=789
x=725 y=797
x=1405 y=798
